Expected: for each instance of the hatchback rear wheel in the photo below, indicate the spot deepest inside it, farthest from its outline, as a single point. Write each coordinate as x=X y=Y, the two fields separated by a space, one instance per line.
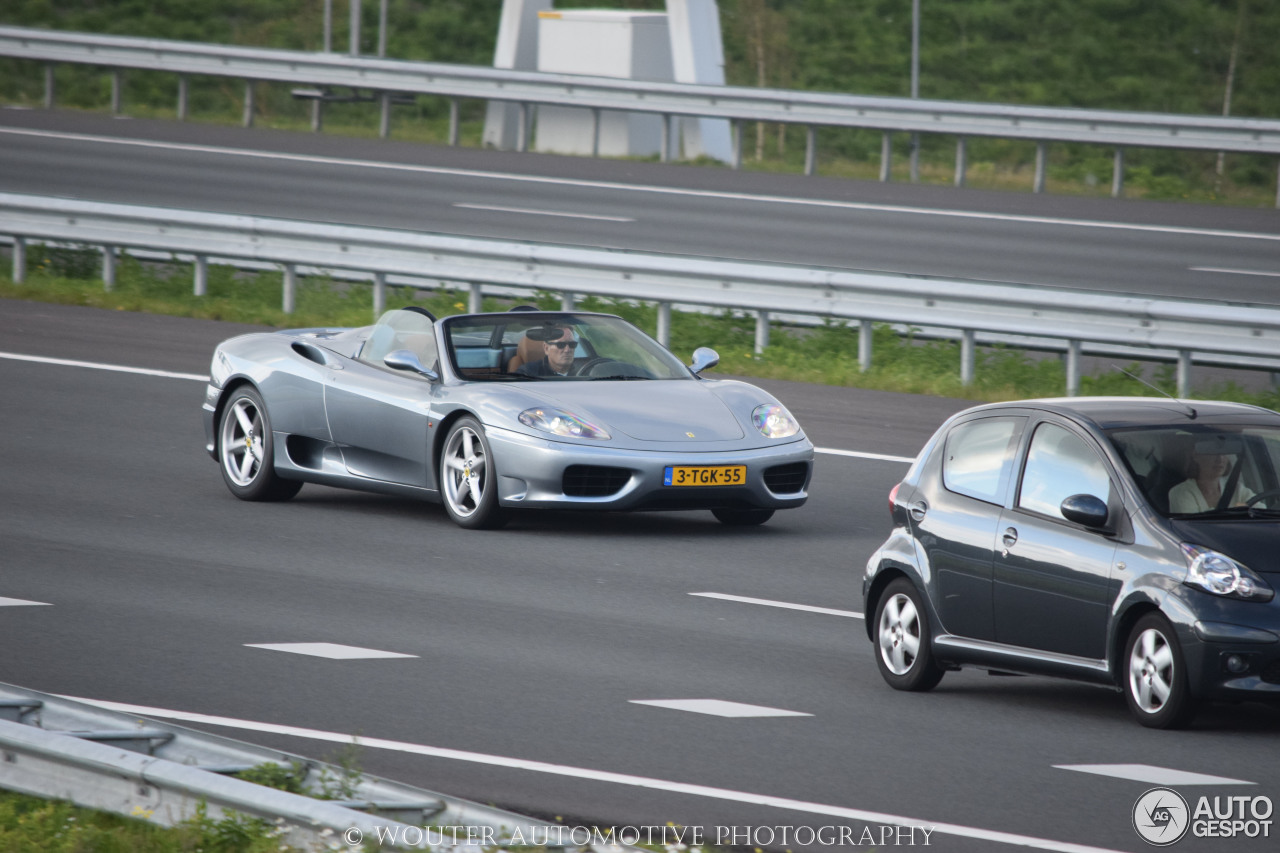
x=904 y=651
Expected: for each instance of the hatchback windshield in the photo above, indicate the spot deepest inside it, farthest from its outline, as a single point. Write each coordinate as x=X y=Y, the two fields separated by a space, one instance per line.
x=1205 y=470
x=537 y=346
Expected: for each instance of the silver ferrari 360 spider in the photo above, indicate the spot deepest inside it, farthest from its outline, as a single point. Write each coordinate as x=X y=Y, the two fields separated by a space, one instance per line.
x=490 y=413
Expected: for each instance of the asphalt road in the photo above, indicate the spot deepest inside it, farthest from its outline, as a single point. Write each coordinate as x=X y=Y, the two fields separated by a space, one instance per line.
x=531 y=645
x=1164 y=249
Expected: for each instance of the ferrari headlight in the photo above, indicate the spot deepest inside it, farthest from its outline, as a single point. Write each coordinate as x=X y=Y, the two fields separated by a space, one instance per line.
x=1217 y=573
x=561 y=422
x=773 y=421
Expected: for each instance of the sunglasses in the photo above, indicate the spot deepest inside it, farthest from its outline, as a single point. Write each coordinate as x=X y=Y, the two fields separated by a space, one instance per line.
x=562 y=344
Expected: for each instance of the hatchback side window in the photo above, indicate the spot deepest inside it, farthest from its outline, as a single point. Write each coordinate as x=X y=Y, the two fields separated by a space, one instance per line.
x=979 y=456
x=1060 y=464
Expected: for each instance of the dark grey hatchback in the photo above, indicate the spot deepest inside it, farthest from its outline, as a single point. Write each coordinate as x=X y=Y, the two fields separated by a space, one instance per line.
x=1133 y=542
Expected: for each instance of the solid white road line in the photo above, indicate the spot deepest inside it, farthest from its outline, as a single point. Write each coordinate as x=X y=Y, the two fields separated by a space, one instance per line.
x=607 y=776
x=834 y=452
x=532 y=212
x=767 y=603
x=1152 y=775
x=19 y=602
x=333 y=651
x=718 y=708
x=642 y=188
x=1235 y=272
x=66 y=362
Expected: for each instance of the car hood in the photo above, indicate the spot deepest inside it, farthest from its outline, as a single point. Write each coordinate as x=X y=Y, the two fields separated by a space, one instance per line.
x=654 y=410
x=1252 y=541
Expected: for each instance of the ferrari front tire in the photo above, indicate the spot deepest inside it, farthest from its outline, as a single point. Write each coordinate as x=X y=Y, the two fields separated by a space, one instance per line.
x=468 y=479
x=245 y=448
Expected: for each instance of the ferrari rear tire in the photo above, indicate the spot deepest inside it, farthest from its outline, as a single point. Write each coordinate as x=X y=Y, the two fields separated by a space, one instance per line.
x=245 y=450
x=742 y=517
x=468 y=479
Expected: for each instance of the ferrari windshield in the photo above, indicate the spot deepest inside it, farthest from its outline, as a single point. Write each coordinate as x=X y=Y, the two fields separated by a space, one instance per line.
x=552 y=346
x=1205 y=470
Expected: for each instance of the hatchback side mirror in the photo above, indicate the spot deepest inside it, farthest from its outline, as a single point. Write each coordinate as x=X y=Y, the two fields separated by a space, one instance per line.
x=1085 y=509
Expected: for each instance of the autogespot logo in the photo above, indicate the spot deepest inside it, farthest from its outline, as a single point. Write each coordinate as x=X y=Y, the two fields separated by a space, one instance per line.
x=1161 y=817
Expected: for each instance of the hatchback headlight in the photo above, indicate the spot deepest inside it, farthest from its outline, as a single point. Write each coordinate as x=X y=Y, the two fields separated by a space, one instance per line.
x=773 y=421
x=561 y=422
x=1217 y=573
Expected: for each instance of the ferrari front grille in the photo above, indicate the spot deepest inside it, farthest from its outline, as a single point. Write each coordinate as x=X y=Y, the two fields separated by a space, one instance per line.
x=594 y=481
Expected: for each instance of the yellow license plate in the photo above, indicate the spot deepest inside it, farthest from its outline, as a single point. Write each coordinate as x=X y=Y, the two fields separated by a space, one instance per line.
x=705 y=475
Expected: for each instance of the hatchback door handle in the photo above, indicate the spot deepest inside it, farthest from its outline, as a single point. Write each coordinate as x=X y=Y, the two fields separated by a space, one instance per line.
x=1010 y=537
x=918 y=509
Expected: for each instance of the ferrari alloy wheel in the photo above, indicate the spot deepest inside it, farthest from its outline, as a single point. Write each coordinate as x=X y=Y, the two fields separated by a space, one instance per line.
x=245 y=448
x=1155 y=675
x=468 y=482
x=904 y=649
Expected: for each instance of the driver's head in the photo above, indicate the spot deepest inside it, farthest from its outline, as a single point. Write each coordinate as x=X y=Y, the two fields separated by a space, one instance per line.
x=560 y=349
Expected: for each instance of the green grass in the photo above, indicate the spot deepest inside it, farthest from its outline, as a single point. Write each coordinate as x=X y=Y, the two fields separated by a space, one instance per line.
x=826 y=354
x=34 y=825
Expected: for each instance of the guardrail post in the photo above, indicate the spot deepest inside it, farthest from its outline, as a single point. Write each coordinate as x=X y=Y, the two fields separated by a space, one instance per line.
x=737 y=144
x=1073 y=368
x=962 y=160
x=886 y=155
x=249 y=105
x=1117 y=174
x=182 y=97
x=810 y=150
x=864 y=345
x=201 y=286
x=762 y=331
x=453 y=121
x=475 y=300
x=968 y=355
x=19 y=260
x=1278 y=186
x=664 y=324
x=48 y=86
x=379 y=294
x=290 y=297
x=664 y=152
x=566 y=301
x=1184 y=373
x=115 y=93
x=595 y=131
x=915 y=158
x=108 y=267
x=384 y=124
x=317 y=115
x=1042 y=150
x=522 y=130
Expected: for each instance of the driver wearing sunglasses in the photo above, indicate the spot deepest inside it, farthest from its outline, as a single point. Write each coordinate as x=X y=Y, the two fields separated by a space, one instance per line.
x=558 y=360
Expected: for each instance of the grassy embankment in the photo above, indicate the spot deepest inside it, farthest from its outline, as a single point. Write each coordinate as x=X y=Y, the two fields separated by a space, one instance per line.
x=826 y=354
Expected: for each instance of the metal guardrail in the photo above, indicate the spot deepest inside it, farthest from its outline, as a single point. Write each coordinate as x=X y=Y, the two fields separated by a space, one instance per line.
x=812 y=109
x=159 y=772
x=1189 y=329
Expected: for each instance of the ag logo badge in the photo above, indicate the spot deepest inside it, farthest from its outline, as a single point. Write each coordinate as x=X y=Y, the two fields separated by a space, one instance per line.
x=1161 y=817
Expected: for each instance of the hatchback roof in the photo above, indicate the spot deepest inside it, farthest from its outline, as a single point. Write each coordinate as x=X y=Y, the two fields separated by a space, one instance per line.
x=1109 y=412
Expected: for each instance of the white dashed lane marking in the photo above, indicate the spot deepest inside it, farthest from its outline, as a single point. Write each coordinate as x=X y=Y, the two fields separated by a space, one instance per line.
x=1152 y=775
x=719 y=708
x=808 y=608
x=19 y=602
x=333 y=651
